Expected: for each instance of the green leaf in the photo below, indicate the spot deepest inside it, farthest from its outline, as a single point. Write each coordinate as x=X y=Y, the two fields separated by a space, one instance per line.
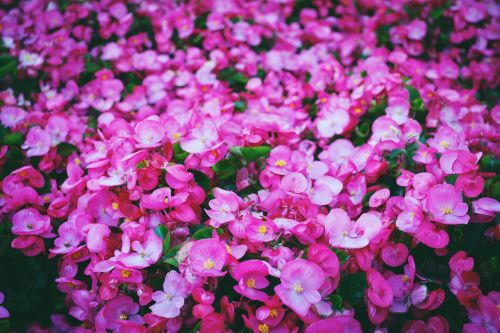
x=341 y=255
x=227 y=167
x=65 y=149
x=336 y=301
x=240 y=106
x=173 y=251
x=171 y=261
x=251 y=154
x=352 y=287
x=162 y=231
x=13 y=139
x=205 y=233
x=179 y=154
x=201 y=179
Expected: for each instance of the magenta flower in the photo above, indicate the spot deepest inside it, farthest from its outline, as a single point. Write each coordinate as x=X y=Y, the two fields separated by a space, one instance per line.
x=149 y=133
x=224 y=207
x=208 y=257
x=300 y=281
x=38 y=142
x=10 y=116
x=203 y=137
x=170 y=301
x=445 y=205
x=250 y=275
x=30 y=222
x=120 y=309
x=342 y=232
x=3 y=311
x=147 y=251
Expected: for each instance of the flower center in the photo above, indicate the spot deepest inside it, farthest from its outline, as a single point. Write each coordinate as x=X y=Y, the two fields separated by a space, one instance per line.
x=115 y=205
x=251 y=283
x=123 y=316
x=273 y=313
x=447 y=210
x=125 y=273
x=280 y=163
x=298 y=288
x=405 y=278
x=444 y=144
x=29 y=226
x=262 y=229
x=176 y=136
x=263 y=328
x=208 y=264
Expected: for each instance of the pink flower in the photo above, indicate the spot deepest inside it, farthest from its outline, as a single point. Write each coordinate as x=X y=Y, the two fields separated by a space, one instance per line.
x=147 y=251
x=294 y=183
x=379 y=198
x=300 y=281
x=208 y=257
x=394 y=254
x=379 y=290
x=119 y=310
x=30 y=222
x=202 y=137
x=445 y=204
x=250 y=275
x=3 y=311
x=342 y=232
x=11 y=116
x=332 y=123
x=416 y=30
x=170 y=301
x=486 y=206
x=38 y=142
x=97 y=237
x=149 y=133
x=224 y=207
x=485 y=318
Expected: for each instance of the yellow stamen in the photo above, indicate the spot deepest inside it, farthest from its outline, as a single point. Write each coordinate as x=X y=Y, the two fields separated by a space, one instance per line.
x=444 y=144
x=298 y=288
x=273 y=313
x=447 y=210
x=176 y=135
x=251 y=283
x=357 y=110
x=165 y=200
x=262 y=229
x=125 y=273
x=123 y=316
x=280 y=163
x=115 y=205
x=263 y=328
x=208 y=264
x=405 y=278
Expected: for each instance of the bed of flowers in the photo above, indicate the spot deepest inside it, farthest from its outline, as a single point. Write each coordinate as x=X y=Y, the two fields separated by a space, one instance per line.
x=249 y=166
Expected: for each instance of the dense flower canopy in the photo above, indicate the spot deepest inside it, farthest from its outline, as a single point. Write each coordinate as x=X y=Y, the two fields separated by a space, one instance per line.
x=264 y=166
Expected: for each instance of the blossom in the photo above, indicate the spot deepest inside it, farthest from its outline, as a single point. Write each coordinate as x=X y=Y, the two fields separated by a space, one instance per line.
x=300 y=281
x=4 y=313
x=208 y=257
x=250 y=275
x=345 y=233
x=147 y=251
x=38 y=142
x=171 y=299
x=445 y=204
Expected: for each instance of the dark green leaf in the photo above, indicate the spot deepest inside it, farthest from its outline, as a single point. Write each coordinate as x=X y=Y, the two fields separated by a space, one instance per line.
x=65 y=149
x=201 y=179
x=13 y=139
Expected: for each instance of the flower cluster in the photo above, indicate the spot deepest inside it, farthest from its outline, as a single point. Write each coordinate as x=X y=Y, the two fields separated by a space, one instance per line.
x=264 y=166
